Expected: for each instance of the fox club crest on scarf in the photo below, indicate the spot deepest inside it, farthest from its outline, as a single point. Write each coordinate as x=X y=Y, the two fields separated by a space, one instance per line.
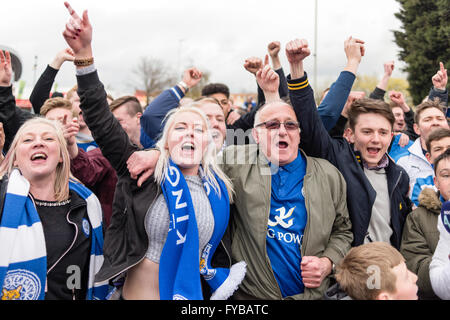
x=23 y=256
x=179 y=270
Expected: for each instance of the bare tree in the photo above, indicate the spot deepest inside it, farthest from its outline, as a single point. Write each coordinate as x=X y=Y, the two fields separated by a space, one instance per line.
x=153 y=76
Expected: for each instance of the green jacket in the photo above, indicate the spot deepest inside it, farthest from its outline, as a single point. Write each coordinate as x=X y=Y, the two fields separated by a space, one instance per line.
x=328 y=229
x=420 y=238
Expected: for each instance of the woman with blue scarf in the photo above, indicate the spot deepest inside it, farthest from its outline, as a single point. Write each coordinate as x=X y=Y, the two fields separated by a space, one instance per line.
x=50 y=227
x=165 y=237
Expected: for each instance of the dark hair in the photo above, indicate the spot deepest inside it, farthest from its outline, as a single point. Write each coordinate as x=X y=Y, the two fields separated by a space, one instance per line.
x=213 y=88
x=426 y=105
x=436 y=135
x=442 y=156
x=57 y=95
x=133 y=108
x=367 y=105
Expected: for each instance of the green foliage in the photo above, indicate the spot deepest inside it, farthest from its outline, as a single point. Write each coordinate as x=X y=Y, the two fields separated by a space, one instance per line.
x=368 y=83
x=424 y=41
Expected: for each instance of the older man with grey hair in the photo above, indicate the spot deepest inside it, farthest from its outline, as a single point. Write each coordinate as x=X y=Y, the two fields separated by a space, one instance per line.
x=290 y=220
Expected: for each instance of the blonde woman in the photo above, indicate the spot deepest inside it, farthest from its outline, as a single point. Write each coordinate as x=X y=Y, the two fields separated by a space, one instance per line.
x=166 y=235
x=50 y=231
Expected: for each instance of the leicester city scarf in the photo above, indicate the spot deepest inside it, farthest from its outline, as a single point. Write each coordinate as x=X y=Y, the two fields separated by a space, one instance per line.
x=23 y=262
x=180 y=270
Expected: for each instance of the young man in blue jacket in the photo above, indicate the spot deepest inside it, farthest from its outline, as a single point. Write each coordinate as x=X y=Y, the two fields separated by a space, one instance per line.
x=375 y=184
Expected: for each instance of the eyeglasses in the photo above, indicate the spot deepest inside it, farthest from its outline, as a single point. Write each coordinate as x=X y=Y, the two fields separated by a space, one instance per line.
x=275 y=125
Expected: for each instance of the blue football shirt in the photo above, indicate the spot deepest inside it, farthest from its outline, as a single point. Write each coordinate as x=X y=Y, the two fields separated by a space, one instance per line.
x=286 y=225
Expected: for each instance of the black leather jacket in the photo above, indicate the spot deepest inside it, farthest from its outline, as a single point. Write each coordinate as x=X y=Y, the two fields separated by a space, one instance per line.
x=126 y=239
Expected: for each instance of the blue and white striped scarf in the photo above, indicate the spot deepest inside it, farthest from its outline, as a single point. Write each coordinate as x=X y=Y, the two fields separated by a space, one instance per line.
x=23 y=256
x=180 y=265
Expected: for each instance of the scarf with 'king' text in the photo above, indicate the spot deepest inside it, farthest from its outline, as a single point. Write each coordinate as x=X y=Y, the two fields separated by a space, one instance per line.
x=180 y=265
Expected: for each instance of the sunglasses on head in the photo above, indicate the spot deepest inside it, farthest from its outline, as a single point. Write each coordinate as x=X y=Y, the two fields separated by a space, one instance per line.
x=275 y=125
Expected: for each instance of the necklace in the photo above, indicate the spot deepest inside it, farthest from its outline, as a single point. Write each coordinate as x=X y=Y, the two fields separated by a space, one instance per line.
x=51 y=203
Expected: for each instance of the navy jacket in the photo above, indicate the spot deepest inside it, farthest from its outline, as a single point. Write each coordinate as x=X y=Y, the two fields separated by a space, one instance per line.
x=316 y=142
x=152 y=121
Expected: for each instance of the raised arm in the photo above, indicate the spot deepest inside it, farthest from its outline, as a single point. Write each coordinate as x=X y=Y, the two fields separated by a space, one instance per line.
x=399 y=99
x=106 y=130
x=439 y=89
x=43 y=86
x=269 y=82
x=314 y=140
x=314 y=137
x=154 y=114
x=11 y=116
x=252 y=65
x=337 y=99
x=273 y=49
x=380 y=89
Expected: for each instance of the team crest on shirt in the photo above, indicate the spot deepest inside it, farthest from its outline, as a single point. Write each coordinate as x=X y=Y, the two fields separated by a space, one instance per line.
x=283 y=218
x=21 y=284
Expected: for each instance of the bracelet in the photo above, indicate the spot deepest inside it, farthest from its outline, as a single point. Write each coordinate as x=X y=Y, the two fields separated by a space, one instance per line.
x=83 y=62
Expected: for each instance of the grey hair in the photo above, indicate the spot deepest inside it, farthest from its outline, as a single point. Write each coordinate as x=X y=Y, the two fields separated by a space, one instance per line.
x=258 y=113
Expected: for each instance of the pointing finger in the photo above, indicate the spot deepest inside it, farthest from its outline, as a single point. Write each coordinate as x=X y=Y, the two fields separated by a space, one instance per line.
x=71 y=11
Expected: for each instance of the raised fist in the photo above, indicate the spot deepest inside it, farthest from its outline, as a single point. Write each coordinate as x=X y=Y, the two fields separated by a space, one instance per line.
x=274 y=48
x=397 y=97
x=297 y=50
x=253 y=64
x=192 y=77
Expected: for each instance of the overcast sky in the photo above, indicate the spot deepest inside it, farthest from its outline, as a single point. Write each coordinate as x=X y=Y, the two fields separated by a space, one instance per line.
x=212 y=35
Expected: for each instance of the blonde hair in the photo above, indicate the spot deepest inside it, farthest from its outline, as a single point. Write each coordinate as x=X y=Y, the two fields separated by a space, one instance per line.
x=209 y=164
x=54 y=103
x=62 y=170
x=354 y=270
x=71 y=92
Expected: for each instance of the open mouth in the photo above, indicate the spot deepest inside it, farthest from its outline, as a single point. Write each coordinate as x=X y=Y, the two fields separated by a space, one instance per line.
x=373 y=151
x=282 y=145
x=188 y=147
x=38 y=157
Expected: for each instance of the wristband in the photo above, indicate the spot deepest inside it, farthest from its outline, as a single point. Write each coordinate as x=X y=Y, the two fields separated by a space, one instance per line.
x=83 y=62
x=439 y=90
x=184 y=86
